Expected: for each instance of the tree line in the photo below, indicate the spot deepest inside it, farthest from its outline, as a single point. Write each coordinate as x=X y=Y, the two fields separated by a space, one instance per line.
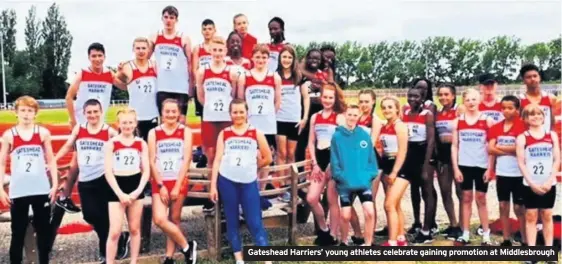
x=40 y=68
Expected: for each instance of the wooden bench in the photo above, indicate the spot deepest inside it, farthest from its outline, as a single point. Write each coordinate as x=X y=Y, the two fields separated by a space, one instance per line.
x=288 y=174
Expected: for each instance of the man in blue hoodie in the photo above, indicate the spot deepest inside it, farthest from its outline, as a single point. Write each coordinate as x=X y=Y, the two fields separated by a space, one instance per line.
x=354 y=167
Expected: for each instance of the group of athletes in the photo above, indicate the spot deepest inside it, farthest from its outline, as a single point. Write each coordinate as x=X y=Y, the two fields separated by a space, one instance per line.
x=257 y=99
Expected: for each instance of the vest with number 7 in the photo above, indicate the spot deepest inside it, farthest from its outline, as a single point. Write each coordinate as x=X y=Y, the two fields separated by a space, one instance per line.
x=239 y=160
x=90 y=155
x=127 y=158
x=169 y=152
x=538 y=158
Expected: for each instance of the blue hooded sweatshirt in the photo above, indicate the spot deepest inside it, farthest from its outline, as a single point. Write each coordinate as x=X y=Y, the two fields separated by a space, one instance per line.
x=352 y=159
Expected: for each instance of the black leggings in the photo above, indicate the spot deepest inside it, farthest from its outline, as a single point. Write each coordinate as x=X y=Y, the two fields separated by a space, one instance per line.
x=41 y=223
x=95 y=208
x=420 y=187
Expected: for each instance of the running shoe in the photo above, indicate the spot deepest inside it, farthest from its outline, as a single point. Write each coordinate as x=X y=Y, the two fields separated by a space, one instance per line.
x=67 y=205
x=421 y=238
x=324 y=238
x=123 y=245
x=435 y=230
x=402 y=243
x=208 y=206
x=265 y=203
x=286 y=197
x=506 y=243
x=358 y=240
x=415 y=229
x=386 y=244
x=196 y=154
x=452 y=233
x=382 y=232
x=462 y=242
x=101 y=260
x=480 y=231
x=342 y=244
x=169 y=261
x=191 y=253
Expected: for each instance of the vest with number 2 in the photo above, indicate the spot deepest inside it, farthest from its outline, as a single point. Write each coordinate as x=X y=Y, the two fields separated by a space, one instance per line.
x=239 y=161
x=29 y=175
x=260 y=96
x=169 y=152
x=127 y=158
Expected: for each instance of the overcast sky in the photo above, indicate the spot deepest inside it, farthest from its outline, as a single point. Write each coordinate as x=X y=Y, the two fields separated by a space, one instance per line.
x=116 y=23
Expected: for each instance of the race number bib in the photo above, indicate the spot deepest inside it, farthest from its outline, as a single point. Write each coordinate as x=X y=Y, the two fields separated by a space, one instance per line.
x=219 y=104
x=238 y=160
x=538 y=169
x=90 y=158
x=127 y=160
x=169 y=164
x=168 y=62
x=145 y=86
x=260 y=107
x=29 y=165
x=411 y=130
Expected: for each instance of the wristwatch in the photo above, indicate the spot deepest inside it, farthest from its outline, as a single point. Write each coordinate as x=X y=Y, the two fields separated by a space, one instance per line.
x=160 y=185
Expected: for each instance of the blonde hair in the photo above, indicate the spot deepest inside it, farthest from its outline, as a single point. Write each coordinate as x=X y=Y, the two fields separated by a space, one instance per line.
x=469 y=91
x=531 y=109
x=395 y=100
x=141 y=39
x=28 y=101
x=127 y=111
x=237 y=16
x=218 y=40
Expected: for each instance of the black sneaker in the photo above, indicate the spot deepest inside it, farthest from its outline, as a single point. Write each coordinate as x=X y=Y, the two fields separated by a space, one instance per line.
x=423 y=239
x=169 y=261
x=123 y=245
x=415 y=229
x=506 y=243
x=191 y=253
x=342 y=244
x=324 y=239
x=67 y=205
x=435 y=230
x=208 y=207
x=452 y=233
x=461 y=241
x=382 y=232
x=358 y=240
x=102 y=260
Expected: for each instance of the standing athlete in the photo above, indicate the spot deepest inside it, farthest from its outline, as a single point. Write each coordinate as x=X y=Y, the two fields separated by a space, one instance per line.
x=534 y=95
x=276 y=28
x=240 y=22
x=234 y=57
x=469 y=157
x=95 y=82
x=167 y=148
x=172 y=50
x=89 y=139
x=139 y=77
x=202 y=55
x=501 y=147
x=490 y=105
x=31 y=156
x=538 y=156
x=242 y=151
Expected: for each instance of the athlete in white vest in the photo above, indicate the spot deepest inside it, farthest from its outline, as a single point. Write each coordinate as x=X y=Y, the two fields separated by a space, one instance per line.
x=139 y=78
x=94 y=82
x=172 y=51
x=538 y=157
x=276 y=28
x=88 y=140
x=31 y=155
x=216 y=87
x=202 y=55
x=534 y=95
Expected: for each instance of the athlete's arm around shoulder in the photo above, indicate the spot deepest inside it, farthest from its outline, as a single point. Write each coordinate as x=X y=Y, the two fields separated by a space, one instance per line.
x=241 y=87
x=264 y=158
x=69 y=143
x=402 y=136
x=123 y=76
x=489 y=122
x=112 y=131
x=49 y=157
x=151 y=44
x=277 y=98
x=7 y=141
x=199 y=75
x=70 y=95
x=187 y=146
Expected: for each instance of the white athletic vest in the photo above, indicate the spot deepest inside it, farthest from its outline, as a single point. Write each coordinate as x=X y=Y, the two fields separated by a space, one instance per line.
x=169 y=152
x=545 y=105
x=93 y=86
x=473 y=143
x=506 y=165
x=218 y=94
x=444 y=121
x=274 y=50
x=538 y=158
x=205 y=57
x=495 y=111
x=417 y=131
x=142 y=92
x=239 y=161
x=238 y=68
x=90 y=155
x=324 y=128
x=290 y=110
x=29 y=172
x=127 y=158
x=260 y=96
x=389 y=140
x=172 y=63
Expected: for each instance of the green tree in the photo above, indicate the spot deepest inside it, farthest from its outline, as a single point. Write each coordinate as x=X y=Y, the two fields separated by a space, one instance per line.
x=538 y=54
x=465 y=61
x=56 y=49
x=437 y=54
x=379 y=55
x=348 y=57
x=34 y=42
x=501 y=55
x=8 y=27
x=553 y=71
